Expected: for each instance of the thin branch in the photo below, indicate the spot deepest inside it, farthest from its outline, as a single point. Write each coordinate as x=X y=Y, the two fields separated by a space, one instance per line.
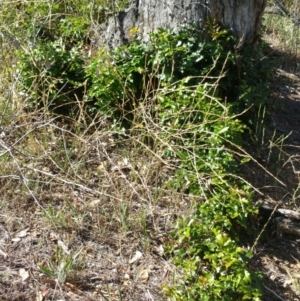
x=271 y=291
x=263 y=229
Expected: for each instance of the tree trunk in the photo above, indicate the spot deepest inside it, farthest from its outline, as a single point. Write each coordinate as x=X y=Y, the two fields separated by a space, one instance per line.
x=142 y=17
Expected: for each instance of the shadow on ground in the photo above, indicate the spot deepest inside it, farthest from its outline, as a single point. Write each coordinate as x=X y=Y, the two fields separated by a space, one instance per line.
x=277 y=255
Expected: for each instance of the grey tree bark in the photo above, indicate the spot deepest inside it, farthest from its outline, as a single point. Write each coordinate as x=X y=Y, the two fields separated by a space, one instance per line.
x=142 y=17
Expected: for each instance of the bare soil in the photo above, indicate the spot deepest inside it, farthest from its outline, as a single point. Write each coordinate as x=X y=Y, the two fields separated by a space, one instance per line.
x=91 y=210
x=277 y=254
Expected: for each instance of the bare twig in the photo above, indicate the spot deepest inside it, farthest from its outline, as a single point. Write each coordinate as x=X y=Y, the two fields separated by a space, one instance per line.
x=263 y=229
x=271 y=291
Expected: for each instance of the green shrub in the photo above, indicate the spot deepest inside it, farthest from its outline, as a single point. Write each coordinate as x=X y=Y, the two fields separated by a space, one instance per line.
x=52 y=76
x=69 y=20
x=119 y=81
x=131 y=72
x=207 y=250
x=51 y=60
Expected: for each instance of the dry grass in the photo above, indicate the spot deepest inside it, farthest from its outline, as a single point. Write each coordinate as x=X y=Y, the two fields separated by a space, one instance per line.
x=63 y=192
x=84 y=214
x=281 y=33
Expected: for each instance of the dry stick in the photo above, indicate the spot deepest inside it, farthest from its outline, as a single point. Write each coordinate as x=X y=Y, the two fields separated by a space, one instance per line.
x=294 y=18
x=95 y=192
x=68 y=158
x=261 y=232
x=246 y=155
x=128 y=182
x=22 y=176
x=36 y=126
x=45 y=152
x=271 y=291
x=79 y=185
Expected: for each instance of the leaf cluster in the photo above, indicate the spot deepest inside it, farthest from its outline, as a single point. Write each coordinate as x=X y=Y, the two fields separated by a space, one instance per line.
x=207 y=248
x=121 y=79
x=51 y=76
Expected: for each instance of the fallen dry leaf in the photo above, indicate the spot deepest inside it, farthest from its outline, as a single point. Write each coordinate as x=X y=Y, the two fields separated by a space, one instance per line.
x=63 y=246
x=102 y=166
x=159 y=250
x=136 y=257
x=126 y=279
x=24 y=274
x=45 y=292
x=54 y=236
x=23 y=233
x=144 y=275
x=49 y=281
x=94 y=203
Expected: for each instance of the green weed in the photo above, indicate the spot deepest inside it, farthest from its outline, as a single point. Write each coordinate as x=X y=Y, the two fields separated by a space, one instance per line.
x=62 y=264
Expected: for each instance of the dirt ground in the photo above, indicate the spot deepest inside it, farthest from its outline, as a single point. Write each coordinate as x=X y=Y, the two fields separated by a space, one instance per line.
x=277 y=255
x=86 y=229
